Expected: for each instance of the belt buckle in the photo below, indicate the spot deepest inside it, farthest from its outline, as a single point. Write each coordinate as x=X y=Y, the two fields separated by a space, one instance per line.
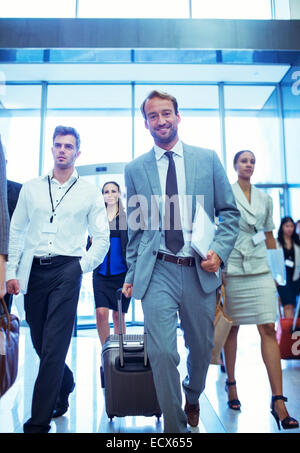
x=180 y=260
x=45 y=261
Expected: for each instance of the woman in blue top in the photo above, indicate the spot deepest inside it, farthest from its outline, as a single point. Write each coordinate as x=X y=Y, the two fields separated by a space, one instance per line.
x=110 y=275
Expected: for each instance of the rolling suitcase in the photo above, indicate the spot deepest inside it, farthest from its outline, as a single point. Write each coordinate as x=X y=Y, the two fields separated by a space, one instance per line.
x=126 y=375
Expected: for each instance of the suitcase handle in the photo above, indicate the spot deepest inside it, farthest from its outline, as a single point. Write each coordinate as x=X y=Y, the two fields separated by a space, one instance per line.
x=121 y=342
x=294 y=328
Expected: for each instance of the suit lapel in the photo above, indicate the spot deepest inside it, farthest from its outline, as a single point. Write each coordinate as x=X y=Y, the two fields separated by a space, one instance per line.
x=241 y=198
x=190 y=169
x=255 y=199
x=190 y=172
x=151 y=170
x=248 y=211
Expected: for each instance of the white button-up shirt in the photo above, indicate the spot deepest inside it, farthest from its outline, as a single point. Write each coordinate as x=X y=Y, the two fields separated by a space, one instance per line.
x=32 y=234
x=186 y=220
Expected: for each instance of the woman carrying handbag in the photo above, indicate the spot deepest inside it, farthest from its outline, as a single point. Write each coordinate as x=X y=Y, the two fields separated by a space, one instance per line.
x=250 y=289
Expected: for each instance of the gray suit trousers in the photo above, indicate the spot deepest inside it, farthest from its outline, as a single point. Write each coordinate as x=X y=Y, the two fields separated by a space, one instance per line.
x=173 y=290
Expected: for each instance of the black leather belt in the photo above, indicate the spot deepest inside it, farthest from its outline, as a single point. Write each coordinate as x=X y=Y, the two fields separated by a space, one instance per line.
x=46 y=260
x=181 y=260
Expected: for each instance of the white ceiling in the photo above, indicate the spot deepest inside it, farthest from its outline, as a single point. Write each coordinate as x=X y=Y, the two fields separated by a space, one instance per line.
x=143 y=72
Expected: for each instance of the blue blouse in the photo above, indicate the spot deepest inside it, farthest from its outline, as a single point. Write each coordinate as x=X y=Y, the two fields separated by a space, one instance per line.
x=114 y=262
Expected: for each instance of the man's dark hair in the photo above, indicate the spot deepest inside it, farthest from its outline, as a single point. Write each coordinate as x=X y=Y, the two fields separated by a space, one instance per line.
x=161 y=95
x=65 y=130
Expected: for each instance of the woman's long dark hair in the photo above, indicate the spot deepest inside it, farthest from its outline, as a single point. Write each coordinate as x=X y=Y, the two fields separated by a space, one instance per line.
x=295 y=239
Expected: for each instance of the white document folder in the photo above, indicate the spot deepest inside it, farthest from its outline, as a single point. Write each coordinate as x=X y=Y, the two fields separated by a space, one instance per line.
x=203 y=232
x=276 y=265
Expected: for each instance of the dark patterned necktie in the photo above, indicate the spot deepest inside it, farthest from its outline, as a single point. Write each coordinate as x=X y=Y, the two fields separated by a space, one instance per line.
x=173 y=231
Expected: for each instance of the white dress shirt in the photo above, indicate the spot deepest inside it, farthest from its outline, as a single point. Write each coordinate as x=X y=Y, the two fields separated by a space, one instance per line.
x=33 y=235
x=184 y=200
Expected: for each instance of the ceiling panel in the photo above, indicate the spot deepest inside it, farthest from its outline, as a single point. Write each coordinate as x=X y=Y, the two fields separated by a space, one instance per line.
x=143 y=72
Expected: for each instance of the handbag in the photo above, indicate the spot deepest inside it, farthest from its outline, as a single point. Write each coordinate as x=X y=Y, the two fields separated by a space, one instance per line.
x=9 y=348
x=222 y=323
x=288 y=335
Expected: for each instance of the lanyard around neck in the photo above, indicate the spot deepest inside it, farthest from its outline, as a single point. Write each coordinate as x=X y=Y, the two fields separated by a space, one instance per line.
x=51 y=199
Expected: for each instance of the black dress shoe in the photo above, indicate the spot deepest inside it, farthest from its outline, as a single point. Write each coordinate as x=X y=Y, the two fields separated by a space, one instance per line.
x=63 y=403
x=30 y=427
x=192 y=412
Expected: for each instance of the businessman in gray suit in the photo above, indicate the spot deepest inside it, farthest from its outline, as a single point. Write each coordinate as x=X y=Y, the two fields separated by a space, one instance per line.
x=164 y=271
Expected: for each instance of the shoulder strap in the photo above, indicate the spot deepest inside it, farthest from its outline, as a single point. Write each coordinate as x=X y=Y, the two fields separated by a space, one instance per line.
x=6 y=313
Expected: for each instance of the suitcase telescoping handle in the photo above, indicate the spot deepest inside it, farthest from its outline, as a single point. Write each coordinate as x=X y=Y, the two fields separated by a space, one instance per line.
x=297 y=314
x=121 y=335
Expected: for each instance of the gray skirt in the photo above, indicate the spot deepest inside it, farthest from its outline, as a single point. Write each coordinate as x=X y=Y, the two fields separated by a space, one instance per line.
x=251 y=299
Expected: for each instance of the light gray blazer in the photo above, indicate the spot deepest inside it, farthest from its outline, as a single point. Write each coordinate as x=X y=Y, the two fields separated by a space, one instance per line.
x=205 y=175
x=246 y=257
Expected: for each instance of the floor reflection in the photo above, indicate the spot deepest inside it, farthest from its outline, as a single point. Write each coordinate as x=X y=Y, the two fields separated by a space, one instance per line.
x=87 y=411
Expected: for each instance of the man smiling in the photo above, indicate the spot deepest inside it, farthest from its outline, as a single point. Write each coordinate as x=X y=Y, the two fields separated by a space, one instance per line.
x=46 y=260
x=163 y=270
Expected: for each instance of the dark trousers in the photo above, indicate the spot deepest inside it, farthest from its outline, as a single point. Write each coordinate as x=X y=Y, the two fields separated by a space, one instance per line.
x=50 y=306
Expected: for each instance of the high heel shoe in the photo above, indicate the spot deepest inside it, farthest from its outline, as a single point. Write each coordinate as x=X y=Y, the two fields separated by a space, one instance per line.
x=222 y=364
x=288 y=422
x=233 y=404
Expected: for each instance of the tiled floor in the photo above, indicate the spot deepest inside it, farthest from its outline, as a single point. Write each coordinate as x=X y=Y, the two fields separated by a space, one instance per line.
x=87 y=412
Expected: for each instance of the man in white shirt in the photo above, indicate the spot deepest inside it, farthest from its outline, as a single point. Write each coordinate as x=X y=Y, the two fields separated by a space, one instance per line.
x=46 y=260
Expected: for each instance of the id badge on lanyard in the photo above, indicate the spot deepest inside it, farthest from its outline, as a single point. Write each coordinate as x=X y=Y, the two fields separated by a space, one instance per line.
x=289 y=263
x=51 y=226
x=258 y=237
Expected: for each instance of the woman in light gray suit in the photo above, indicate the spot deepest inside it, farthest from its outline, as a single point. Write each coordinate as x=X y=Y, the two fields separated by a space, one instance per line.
x=166 y=273
x=249 y=286
x=4 y=222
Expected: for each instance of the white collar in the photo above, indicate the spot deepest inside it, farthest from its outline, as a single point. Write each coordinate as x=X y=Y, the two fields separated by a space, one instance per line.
x=71 y=179
x=177 y=149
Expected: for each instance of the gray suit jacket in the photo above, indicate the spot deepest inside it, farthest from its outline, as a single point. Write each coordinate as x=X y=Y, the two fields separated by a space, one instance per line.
x=205 y=175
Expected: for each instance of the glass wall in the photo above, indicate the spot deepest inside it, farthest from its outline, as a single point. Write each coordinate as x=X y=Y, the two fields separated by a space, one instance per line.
x=251 y=121
x=232 y=9
x=290 y=89
x=295 y=202
x=37 y=8
x=134 y=9
x=172 y=9
x=20 y=122
x=100 y=113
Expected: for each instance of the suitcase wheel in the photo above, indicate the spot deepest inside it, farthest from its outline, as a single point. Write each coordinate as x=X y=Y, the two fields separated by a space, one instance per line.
x=102 y=377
